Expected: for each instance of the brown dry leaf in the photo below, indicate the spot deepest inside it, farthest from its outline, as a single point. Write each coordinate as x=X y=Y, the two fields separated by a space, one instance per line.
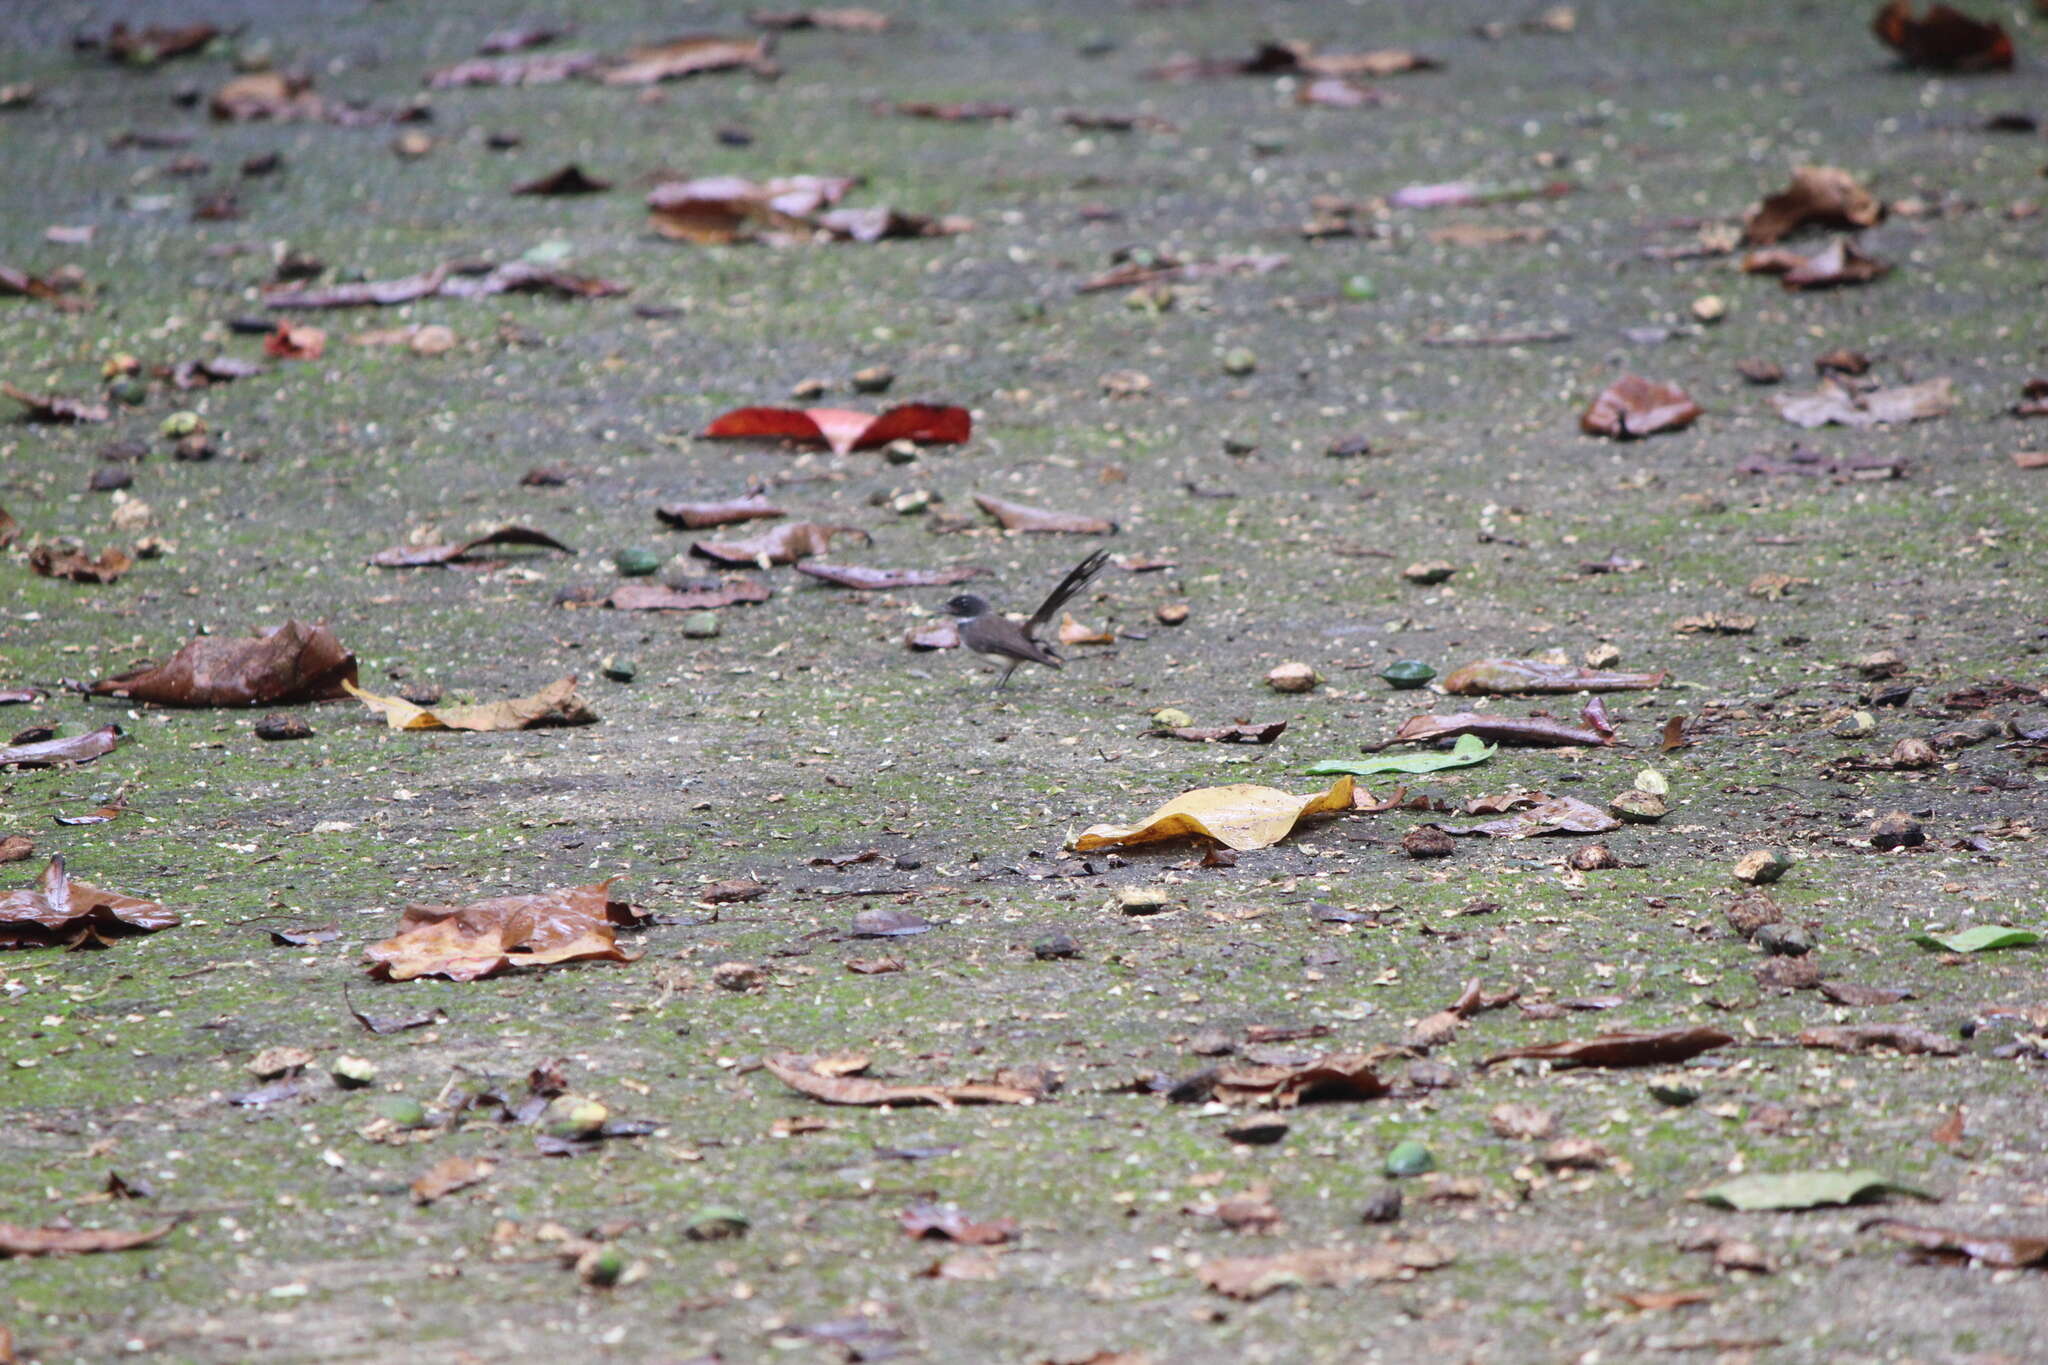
x=1339 y=1076
x=863 y=578
x=874 y=966
x=1240 y=816
x=946 y=1223
x=1864 y=1037
x=701 y=516
x=59 y=910
x=467 y=282
x=16 y=1240
x=1072 y=632
x=48 y=753
x=1225 y=734
x=10 y=529
x=1254 y=1277
x=2031 y=459
x=1849 y=993
x=1838 y=263
x=734 y=590
x=1715 y=623
x=839 y=19
x=74 y=564
x=295 y=341
x=1664 y=1300
x=266 y=95
x=1297 y=58
x=1942 y=39
x=1502 y=677
x=1633 y=406
x=1536 y=730
x=568 y=180
x=1834 y=403
x=49 y=407
x=546 y=68
x=784 y=544
x=422 y=556
x=450 y=1174
x=293 y=662
x=1660 y=1047
x=1524 y=1122
x=1993 y=1249
x=844 y=430
x=16 y=848
x=1823 y=195
x=722 y=209
x=800 y=1073
x=1554 y=815
x=957 y=111
x=154 y=43
x=1129 y=274
x=1015 y=516
x=556 y=704
x=465 y=942
x=693 y=55
x=1482 y=235
x=1951 y=1130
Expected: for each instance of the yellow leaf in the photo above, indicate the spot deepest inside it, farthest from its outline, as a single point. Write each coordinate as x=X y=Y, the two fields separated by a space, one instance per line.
x=1240 y=816
x=555 y=704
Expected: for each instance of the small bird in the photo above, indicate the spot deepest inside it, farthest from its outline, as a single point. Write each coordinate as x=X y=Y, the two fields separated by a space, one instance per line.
x=985 y=630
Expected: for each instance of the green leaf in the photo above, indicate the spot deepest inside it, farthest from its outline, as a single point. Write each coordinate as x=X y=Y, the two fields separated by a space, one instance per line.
x=1468 y=750
x=1978 y=939
x=1803 y=1190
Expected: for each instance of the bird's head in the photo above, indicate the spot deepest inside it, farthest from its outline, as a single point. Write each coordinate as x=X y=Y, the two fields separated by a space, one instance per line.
x=967 y=606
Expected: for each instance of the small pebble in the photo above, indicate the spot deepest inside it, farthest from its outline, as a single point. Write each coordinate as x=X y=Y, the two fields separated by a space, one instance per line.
x=281 y=726
x=1055 y=947
x=1429 y=572
x=1784 y=940
x=1762 y=866
x=1383 y=1207
x=1427 y=841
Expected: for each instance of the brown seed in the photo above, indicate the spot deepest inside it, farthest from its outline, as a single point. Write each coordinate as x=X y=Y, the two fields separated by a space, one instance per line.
x=1427 y=841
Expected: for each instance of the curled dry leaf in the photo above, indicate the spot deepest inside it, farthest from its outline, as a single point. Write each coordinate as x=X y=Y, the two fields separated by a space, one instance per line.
x=272 y=96
x=514 y=277
x=1834 y=403
x=59 y=910
x=721 y=209
x=946 y=1223
x=701 y=516
x=293 y=662
x=804 y=1075
x=1295 y=58
x=421 y=556
x=1534 y=730
x=295 y=341
x=1633 y=406
x=556 y=704
x=1986 y=1248
x=735 y=590
x=450 y=1174
x=1340 y=1076
x=1225 y=734
x=567 y=180
x=1128 y=273
x=839 y=19
x=465 y=942
x=1660 y=1047
x=1826 y=196
x=1015 y=516
x=1501 y=677
x=693 y=55
x=844 y=430
x=545 y=68
x=1865 y=1037
x=1072 y=632
x=46 y=407
x=1942 y=39
x=1555 y=815
x=784 y=544
x=16 y=1240
x=1240 y=816
x=1254 y=1277
x=864 y=578
x=75 y=565
x=48 y=753
x=1838 y=263
x=1715 y=623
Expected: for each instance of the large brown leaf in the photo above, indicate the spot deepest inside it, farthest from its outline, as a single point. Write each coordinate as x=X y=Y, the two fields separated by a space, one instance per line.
x=784 y=544
x=1987 y=1248
x=556 y=704
x=1834 y=403
x=1633 y=406
x=16 y=1240
x=48 y=753
x=1499 y=677
x=1555 y=815
x=1864 y=1037
x=808 y=1076
x=1838 y=263
x=1340 y=1076
x=1254 y=1277
x=693 y=55
x=421 y=556
x=702 y=516
x=1823 y=195
x=1536 y=730
x=722 y=209
x=45 y=407
x=58 y=910
x=844 y=430
x=1661 y=1047
x=450 y=1174
x=465 y=942
x=293 y=662
x=1015 y=516
x=1942 y=39
x=735 y=590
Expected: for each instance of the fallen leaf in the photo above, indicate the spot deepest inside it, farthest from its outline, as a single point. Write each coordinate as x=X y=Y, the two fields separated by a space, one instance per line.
x=2030 y=459
x=272 y=96
x=1339 y=1076
x=75 y=565
x=52 y=408
x=1660 y=1047
x=469 y=282
x=57 y=910
x=1848 y=993
x=889 y=921
x=293 y=662
x=568 y=180
x=1715 y=623
x=15 y=848
x=1254 y=1277
x=547 y=68
x=556 y=704
x=798 y=1073
x=784 y=544
x=1464 y=193
x=1225 y=734
x=844 y=19
x=1802 y=1190
x=1536 y=730
x=723 y=209
x=845 y=431
x=1240 y=816
x=450 y=1174
x=700 y=516
x=16 y=1240
x=421 y=556
x=957 y=111
x=1993 y=1249
x=1823 y=195
x=1072 y=632
x=1664 y=1300
x=734 y=590
x=1151 y=269
x=946 y=1223
x=1864 y=1037
x=693 y=55
x=1981 y=938
x=1483 y=235
x=873 y=966
x=1836 y=264
x=1832 y=402
x=1942 y=39
x=1500 y=677
x=1468 y=750
x=305 y=938
x=1556 y=815
x=863 y=578
x=465 y=942
x=154 y=43
x=1293 y=57
x=49 y=753
x=1951 y=1131
x=295 y=341
x=1015 y=516
x=1633 y=406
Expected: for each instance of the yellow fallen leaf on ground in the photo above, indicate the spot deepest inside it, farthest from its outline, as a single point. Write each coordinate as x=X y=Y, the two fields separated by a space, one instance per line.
x=1239 y=816
x=555 y=704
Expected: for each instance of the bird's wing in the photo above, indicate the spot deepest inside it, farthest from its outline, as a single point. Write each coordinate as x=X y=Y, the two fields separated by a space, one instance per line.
x=1077 y=578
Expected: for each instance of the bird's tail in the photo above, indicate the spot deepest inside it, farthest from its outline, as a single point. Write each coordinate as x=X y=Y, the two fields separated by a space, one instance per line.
x=1076 y=579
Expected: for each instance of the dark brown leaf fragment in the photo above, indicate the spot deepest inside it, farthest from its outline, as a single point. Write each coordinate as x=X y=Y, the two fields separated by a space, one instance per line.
x=1661 y=1047
x=290 y=663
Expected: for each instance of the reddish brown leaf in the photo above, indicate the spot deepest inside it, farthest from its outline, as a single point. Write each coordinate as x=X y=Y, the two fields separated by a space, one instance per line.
x=844 y=430
x=866 y=579
x=1951 y=1130
x=694 y=55
x=293 y=662
x=450 y=1174
x=58 y=909
x=1840 y=262
x=717 y=210
x=1254 y=1277
x=271 y=96
x=1339 y=1076
x=1633 y=406
x=700 y=516
x=946 y=1223
x=1500 y=677
x=1992 y=1249
x=1536 y=730
x=802 y=1074
x=1662 y=1047
x=49 y=407
x=1864 y=1037
x=570 y=179
x=784 y=544
x=1673 y=736
x=1015 y=516
x=735 y=590
x=420 y=556
x=16 y=848
x=74 y=564
x=1942 y=39
x=1554 y=815
x=1822 y=195
x=1225 y=734
x=16 y=1240
x=295 y=342
x=465 y=942
x=48 y=753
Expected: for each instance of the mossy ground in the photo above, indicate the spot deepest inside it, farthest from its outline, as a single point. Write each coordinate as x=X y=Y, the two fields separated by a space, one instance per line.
x=806 y=730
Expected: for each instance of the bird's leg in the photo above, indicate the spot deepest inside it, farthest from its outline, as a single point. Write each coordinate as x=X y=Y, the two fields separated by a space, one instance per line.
x=1004 y=681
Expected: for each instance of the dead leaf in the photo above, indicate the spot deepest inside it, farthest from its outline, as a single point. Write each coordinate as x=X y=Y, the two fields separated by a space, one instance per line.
x=845 y=431
x=52 y=408
x=421 y=556
x=293 y=662
x=873 y=966
x=784 y=544
x=556 y=704
x=1951 y=1130
x=568 y=180
x=1015 y=516
x=733 y=590
x=863 y=578
x=1240 y=816
x=1633 y=406
x=1154 y=269
x=1864 y=1037
x=1482 y=235
x=469 y=282
x=1225 y=734
x=957 y=111
x=723 y=209
x=1339 y=1076
x=1072 y=632
x=16 y=1240
x=1535 y=730
x=2030 y=459
x=1838 y=263
x=1942 y=39
x=450 y=1174
x=1284 y=58
x=800 y=1073
x=295 y=342
x=700 y=516
x=1664 y=1300
x=1254 y=1277
x=48 y=753
x=1523 y=1122
x=547 y=68
x=946 y=1223
x=1661 y=1047
x=1848 y=993
x=1822 y=195
x=155 y=43
x=1993 y=1249
x=1715 y=623
x=465 y=942
x=15 y=848
x=1834 y=403
x=1554 y=815
x=57 y=910
x=72 y=563
x=266 y=96
x=1500 y=677
x=844 y=19
x=693 y=55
